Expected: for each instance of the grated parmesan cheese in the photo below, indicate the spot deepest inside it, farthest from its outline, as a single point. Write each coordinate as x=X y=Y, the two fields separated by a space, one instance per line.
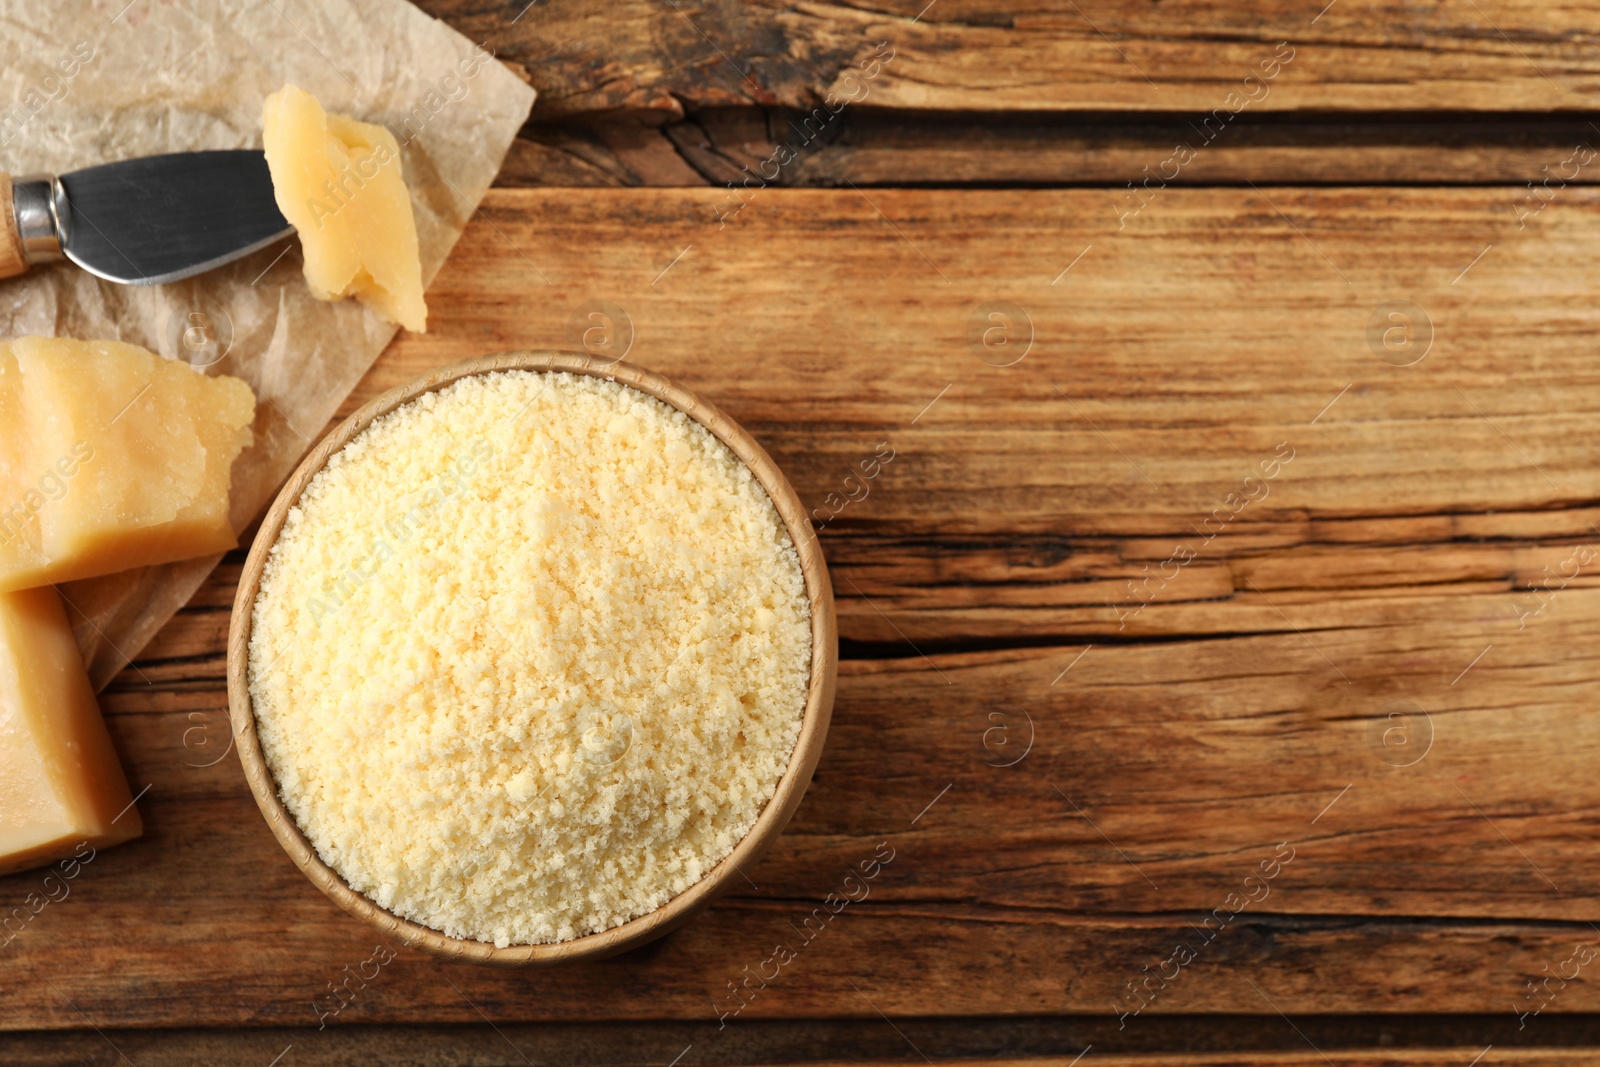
x=529 y=657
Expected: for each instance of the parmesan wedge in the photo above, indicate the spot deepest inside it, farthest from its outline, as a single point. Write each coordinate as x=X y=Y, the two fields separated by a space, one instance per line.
x=338 y=182
x=111 y=458
x=60 y=784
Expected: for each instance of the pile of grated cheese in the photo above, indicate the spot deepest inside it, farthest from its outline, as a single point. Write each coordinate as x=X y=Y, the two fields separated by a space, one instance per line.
x=529 y=657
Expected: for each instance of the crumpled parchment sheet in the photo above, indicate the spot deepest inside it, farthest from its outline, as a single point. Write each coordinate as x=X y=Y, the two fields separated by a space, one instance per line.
x=82 y=84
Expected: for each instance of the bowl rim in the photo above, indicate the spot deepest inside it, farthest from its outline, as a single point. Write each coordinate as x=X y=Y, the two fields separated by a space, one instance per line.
x=791 y=786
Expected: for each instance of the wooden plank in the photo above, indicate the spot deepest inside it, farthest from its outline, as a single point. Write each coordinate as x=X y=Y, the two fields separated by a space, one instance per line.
x=1188 y=758
x=227 y=933
x=1140 y=732
x=867 y=147
x=1055 y=589
x=1249 y=707
x=1044 y=55
x=881 y=147
x=1178 y=352
x=505 y=1046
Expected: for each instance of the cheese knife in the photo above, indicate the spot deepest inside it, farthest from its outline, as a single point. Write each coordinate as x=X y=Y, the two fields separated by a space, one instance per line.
x=142 y=221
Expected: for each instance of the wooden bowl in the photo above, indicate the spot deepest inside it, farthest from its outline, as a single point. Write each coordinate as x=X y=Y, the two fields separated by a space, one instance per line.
x=791 y=787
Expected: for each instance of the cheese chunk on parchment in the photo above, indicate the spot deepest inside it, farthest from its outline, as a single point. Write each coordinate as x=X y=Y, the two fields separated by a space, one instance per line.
x=338 y=182
x=111 y=458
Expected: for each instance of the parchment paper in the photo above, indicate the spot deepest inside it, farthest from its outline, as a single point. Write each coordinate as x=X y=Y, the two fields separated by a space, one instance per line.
x=162 y=76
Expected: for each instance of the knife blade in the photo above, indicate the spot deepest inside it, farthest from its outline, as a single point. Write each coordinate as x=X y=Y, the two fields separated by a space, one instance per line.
x=143 y=221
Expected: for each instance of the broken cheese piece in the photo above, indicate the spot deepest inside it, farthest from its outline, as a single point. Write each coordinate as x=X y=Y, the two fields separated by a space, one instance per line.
x=60 y=783
x=338 y=182
x=111 y=458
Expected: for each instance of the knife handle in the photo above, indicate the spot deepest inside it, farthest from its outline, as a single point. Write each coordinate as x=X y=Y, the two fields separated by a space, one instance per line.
x=33 y=206
x=13 y=260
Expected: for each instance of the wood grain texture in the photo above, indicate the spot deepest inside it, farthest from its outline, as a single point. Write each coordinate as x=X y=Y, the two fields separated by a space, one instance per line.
x=879 y=147
x=1041 y=55
x=1177 y=352
x=13 y=259
x=1370 y=606
x=805 y=1043
x=856 y=1045
x=867 y=147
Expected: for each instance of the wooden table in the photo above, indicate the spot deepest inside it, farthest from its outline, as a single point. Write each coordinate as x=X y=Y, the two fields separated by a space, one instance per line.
x=1219 y=645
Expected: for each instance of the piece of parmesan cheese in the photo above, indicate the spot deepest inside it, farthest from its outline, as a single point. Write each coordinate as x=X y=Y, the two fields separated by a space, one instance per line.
x=339 y=184
x=529 y=657
x=112 y=458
